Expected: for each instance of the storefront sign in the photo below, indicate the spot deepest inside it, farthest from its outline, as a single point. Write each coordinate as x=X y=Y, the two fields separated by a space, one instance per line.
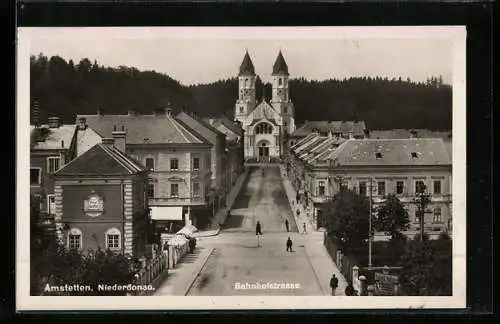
x=94 y=206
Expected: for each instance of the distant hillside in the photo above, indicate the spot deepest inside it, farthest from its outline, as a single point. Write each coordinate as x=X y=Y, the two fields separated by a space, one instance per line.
x=64 y=88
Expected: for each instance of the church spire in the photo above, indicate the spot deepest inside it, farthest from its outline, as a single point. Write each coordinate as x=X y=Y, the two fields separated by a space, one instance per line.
x=280 y=66
x=246 y=67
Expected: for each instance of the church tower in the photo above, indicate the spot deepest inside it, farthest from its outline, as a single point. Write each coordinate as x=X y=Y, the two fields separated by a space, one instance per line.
x=281 y=95
x=246 y=89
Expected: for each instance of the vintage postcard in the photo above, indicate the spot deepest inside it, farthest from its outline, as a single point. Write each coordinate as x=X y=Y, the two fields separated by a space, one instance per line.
x=181 y=168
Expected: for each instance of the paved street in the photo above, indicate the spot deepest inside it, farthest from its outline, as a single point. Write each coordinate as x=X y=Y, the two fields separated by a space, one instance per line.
x=234 y=256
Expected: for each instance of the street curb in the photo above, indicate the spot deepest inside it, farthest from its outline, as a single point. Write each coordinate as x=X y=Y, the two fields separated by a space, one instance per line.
x=199 y=271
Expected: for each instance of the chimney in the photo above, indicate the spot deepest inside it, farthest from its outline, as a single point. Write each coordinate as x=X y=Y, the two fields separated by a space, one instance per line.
x=120 y=138
x=132 y=112
x=54 y=122
x=82 y=123
x=108 y=141
x=100 y=111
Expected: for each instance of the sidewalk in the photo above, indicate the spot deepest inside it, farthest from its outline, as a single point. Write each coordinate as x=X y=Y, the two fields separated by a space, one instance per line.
x=181 y=278
x=291 y=194
x=220 y=216
x=324 y=266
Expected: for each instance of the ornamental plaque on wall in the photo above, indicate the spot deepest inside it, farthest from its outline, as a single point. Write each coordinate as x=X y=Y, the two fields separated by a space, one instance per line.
x=94 y=205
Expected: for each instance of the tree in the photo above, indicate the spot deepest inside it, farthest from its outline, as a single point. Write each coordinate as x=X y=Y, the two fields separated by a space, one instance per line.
x=392 y=218
x=427 y=268
x=347 y=218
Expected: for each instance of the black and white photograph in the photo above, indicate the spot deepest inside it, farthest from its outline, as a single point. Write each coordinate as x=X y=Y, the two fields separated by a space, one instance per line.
x=241 y=167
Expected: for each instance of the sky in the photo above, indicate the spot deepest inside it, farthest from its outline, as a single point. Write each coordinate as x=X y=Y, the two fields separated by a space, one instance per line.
x=204 y=55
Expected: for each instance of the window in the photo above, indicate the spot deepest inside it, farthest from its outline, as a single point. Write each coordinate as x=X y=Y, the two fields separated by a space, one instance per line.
x=381 y=188
x=437 y=187
x=150 y=163
x=362 y=188
x=196 y=189
x=174 y=164
x=53 y=164
x=437 y=215
x=321 y=188
x=344 y=186
x=414 y=155
x=113 y=239
x=400 y=185
x=285 y=110
x=150 y=190
x=196 y=163
x=280 y=81
x=241 y=109
x=378 y=155
x=417 y=218
x=75 y=239
x=35 y=175
x=174 y=190
x=419 y=186
x=51 y=203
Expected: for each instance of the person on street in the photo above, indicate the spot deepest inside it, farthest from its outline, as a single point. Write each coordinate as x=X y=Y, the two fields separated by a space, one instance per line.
x=334 y=283
x=289 y=244
x=349 y=290
x=298 y=212
x=297 y=198
x=287 y=225
x=258 y=229
x=304 y=227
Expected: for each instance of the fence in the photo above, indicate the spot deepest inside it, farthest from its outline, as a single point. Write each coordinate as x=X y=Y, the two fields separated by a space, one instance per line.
x=343 y=263
x=152 y=270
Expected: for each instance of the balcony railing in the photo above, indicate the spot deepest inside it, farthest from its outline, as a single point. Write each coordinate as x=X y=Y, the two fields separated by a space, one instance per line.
x=170 y=201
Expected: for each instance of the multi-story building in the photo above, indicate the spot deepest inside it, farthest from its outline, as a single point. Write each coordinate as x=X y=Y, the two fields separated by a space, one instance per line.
x=52 y=146
x=404 y=167
x=100 y=201
x=179 y=159
x=234 y=145
x=343 y=129
x=266 y=124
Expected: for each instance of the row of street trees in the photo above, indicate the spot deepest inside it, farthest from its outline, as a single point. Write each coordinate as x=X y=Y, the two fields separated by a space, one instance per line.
x=426 y=265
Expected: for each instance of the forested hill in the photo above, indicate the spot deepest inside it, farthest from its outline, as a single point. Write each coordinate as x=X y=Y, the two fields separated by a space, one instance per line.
x=65 y=88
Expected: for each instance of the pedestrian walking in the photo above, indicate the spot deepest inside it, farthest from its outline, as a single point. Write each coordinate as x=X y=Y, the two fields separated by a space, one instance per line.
x=287 y=225
x=298 y=212
x=289 y=244
x=334 y=283
x=304 y=227
x=258 y=230
x=297 y=198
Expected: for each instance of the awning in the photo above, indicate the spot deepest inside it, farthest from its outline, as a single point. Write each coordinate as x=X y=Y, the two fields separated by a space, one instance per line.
x=166 y=213
x=188 y=230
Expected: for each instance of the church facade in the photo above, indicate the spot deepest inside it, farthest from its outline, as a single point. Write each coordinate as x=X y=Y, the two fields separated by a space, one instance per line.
x=266 y=124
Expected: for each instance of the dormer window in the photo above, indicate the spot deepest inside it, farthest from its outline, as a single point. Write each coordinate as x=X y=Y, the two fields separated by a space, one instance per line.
x=378 y=155
x=414 y=155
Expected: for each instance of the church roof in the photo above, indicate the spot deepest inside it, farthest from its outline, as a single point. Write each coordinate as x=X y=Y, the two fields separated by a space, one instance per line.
x=280 y=66
x=246 y=67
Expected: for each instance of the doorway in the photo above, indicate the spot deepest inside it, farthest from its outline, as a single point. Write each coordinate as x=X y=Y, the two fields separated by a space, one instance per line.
x=263 y=152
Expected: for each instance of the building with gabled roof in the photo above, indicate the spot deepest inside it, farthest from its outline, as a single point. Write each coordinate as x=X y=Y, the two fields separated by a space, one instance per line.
x=378 y=167
x=100 y=201
x=266 y=124
x=179 y=190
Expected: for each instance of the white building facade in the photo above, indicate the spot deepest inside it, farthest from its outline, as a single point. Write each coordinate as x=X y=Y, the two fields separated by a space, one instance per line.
x=266 y=124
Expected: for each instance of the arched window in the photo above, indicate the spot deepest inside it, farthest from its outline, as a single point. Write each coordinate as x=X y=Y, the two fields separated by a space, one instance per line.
x=113 y=240
x=263 y=128
x=75 y=239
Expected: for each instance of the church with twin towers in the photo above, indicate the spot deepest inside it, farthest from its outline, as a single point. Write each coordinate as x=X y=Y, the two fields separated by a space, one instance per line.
x=265 y=123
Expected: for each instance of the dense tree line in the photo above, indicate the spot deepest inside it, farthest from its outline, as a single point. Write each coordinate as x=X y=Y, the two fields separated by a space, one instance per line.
x=66 y=88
